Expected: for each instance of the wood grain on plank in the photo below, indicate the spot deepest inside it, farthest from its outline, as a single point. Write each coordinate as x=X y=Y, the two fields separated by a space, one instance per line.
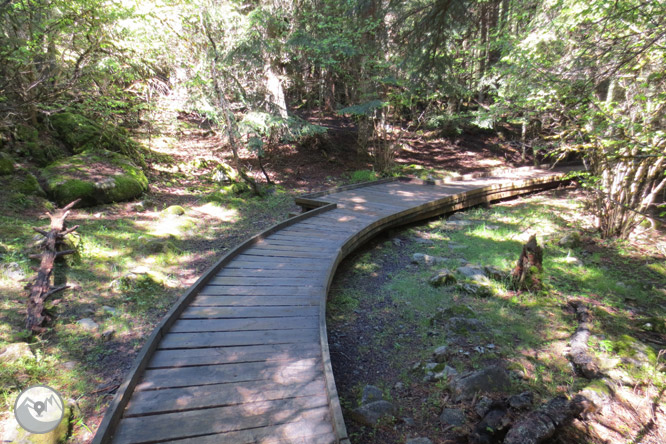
x=253 y=301
x=206 y=325
x=281 y=372
x=228 y=355
x=247 y=312
x=235 y=338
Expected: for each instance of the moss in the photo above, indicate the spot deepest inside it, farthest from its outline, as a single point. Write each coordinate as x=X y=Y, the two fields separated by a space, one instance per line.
x=22 y=182
x=6 y=164
x=81 y=134
x=176 y=210
x=629 y=347
x=25 y=133
x=55 y=436
x=77 y=177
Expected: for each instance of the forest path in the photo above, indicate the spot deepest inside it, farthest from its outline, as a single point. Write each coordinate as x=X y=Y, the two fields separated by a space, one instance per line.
x=243 y=356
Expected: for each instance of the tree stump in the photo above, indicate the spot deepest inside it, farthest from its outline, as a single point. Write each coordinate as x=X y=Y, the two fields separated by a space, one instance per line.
x=527 y=274
x=41 y=289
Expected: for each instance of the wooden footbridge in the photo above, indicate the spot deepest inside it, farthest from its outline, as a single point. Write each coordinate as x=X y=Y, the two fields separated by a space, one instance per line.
x=243 y=355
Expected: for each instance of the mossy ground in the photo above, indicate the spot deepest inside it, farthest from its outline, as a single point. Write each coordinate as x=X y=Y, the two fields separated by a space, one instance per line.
x=381 y=311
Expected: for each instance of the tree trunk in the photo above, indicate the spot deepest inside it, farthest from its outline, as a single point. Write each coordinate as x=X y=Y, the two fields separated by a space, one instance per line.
x=527 y=274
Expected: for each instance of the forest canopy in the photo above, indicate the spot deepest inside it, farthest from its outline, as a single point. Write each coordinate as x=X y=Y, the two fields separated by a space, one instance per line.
x=572 y=77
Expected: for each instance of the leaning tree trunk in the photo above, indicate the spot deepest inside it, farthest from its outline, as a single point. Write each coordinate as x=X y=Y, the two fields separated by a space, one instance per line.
x=41 y=289
x=527 y=274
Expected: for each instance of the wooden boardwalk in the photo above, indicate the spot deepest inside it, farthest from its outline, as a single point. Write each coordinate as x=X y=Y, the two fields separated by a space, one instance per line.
x=243 y=356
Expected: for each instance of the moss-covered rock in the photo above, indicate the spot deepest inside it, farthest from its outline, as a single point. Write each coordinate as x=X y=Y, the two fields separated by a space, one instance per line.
x=175 y=210
x=95 y=177
x=6 y=164
x=21 y=182
x=81 y=134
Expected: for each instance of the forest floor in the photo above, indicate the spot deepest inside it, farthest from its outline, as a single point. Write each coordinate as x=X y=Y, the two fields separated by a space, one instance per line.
x=136 y=258
x=385 y=320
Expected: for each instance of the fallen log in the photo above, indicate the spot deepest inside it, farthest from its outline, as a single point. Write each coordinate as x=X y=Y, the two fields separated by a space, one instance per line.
x=41 y=289
x=583 y=362
x=542 y=423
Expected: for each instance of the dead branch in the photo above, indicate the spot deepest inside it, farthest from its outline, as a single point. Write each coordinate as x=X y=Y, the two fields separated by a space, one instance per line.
x=578 y=354
x=41 y=289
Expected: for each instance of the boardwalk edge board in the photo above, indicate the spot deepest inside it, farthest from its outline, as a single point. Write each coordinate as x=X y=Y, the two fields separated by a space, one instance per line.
x=114 y=411
x=314 y=207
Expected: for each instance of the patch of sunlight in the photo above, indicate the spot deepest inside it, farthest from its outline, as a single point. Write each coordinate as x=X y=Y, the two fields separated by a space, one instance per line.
x=489 y=162
x=172 y=225
x=218 y=212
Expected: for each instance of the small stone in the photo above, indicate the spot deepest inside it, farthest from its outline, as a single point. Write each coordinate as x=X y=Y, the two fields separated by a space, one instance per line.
x=418 y=441
x=399 y=386
x=110 y=310
x=441 y=353
x=454 y=417
x=88 y=324
x=426 y=259
x=108 y=334
x=490 y=346
x=139 y=207
x=15 y=352
x=422 y=241
x=397 y=242
x=371 y=394
x=471 y=271
x=482 y=406
x=370 y=414
x=431 y=366
x=70 y=365
x=570 y=240
x=409 y=422
x=443 y=277
x=495 y=273
x=446 y=373
x=175 y=210
x=521 y=401
x=416 y=366
x=429 y=377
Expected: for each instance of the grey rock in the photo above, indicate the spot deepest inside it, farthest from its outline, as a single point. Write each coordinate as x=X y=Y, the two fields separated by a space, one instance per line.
x=70 y=365
x=570 y=240
x=429 y=377
x=416 y=366
x=476 y=289
x=139 y=207
x=441 y=353
x=495 y=273
x=399 y=386
x=426 y=259
x=471 y=271
x=108 y=334
x=482 y=406
x=16 y=351
x=370 y=414
x=443 y=277
x=447 y=373
x=88 y=324
x=371 y=394
x=454 y=224
x=490 y=379
x=14 y=272
x=418 y=441
x=454 y=417
x=521 y=401
x=112 y=311
x=431 y=366
x=409 y=422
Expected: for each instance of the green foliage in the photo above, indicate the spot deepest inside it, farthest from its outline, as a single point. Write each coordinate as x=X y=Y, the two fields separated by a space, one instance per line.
x=366 y=109
x=362 y=176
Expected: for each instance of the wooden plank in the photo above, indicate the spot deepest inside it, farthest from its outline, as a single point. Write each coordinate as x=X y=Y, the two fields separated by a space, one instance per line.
x=264 y=273
x=280 y=372
x=193 y=423
x=236 y=338
x=366 y=203
x=246 y=312
x=275 y=244
x=269 y=252
x=314 y=233
x=309 y=281
x=228 y=355
x=315 y=240
x=260 y=264
x=282 y=260
x=367 y=196
x=218 y=395
x=254 y=301
x=259 y=290
x=204 y=325
x=291 y=433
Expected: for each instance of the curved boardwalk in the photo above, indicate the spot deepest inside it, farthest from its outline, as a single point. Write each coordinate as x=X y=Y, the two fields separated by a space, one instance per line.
x=243 y=356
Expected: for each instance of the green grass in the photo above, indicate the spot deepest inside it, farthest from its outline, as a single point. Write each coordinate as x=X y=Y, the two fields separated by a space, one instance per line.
x=529 y=331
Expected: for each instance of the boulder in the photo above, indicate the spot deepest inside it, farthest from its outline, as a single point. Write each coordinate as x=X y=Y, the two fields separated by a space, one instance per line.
x=175 y=210
x=15 y=352
x=6 y=164
x=81 y=134
x=21 y=182
x=490 y=379
x=370 y=414
x=521 y=401
x=12 y=432
x=371 y=394
x=94 y=177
